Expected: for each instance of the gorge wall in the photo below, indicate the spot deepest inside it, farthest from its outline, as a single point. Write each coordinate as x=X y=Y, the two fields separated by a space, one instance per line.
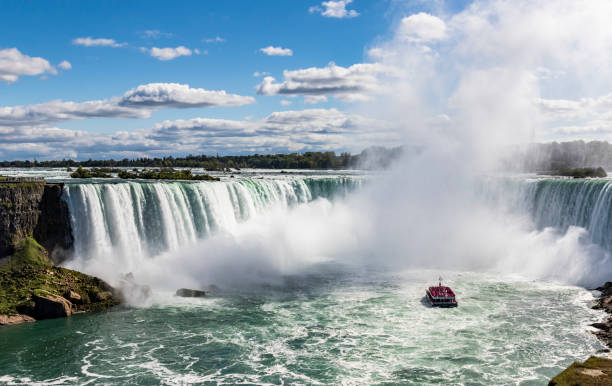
x=33 y=208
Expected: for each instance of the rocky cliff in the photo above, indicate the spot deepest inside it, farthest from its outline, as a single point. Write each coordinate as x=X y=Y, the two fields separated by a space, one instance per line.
x=35 y=234
x=32 y=288
x=34 y=209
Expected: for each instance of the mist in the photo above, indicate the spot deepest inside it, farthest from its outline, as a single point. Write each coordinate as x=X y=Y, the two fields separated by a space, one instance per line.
x=461 y=88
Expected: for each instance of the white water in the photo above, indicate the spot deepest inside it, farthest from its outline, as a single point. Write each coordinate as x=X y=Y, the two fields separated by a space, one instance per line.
x=136 y=221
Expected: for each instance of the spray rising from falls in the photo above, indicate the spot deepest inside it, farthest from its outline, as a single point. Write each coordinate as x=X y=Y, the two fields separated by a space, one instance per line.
x=225 y=232
x=138 y=219
x=558 y=204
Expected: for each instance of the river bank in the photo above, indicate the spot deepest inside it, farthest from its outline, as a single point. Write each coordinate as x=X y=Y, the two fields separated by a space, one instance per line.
x=595 y=370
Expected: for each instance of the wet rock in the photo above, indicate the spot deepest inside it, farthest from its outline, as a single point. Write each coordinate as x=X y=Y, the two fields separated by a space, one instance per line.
x=73 y=297
x=6 y=320
x=49 y=306
x=601 y=326
x=606 y=289
x=190 y=293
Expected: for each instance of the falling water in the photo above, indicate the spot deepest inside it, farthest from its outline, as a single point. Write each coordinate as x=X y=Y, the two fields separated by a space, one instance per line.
x=141 y=218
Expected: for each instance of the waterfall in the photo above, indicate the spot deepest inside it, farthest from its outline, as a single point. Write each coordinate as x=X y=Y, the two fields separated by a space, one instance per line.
x=148 y=218
x=557 y=203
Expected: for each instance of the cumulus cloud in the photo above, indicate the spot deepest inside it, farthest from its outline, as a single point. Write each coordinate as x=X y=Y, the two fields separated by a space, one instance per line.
x=315 y=129
x=354 y=83
x=65 y=65
x=216 y=39
x=262 y=73
x=276 y=51
x=531 y=69
x=422 y=27
x=285 y=102
x=99 y=42
x=335 y=8
x=179 y=96
x=138 y=102
x=14 y=64
x=584 y=116
x=170 y=53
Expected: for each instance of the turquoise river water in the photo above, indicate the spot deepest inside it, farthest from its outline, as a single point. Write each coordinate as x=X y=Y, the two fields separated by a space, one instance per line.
x=319 y=321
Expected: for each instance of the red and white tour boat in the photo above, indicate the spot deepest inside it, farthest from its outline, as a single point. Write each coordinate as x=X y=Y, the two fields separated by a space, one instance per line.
x=441 y=296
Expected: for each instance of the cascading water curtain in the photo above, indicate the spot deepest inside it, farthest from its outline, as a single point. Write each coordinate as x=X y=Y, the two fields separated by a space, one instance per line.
x=148 y=218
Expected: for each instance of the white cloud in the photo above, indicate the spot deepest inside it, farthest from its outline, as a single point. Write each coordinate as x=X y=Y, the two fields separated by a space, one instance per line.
x=138 y=102
x=422 y=27
x=258 y=73
x=65 y=65
x=99 y=42
x=169 y=53
x=505 y=71
x=276 y=51
x=216 y=39
x=314 y=99
x=352 y=83
x=14 y=64
x=154 y=34
x=180 y=96
x=285 y=102
x=315 y=129
x=335 y=9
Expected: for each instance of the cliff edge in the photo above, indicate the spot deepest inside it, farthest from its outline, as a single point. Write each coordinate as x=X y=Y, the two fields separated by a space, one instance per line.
x=35 y=233
x=34 y=208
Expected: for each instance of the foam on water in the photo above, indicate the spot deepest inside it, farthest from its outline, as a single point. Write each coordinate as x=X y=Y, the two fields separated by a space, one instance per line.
x=327 y=327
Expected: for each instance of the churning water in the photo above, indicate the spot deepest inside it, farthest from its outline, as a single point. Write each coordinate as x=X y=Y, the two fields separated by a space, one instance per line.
x=331 y=327
x=331 y=320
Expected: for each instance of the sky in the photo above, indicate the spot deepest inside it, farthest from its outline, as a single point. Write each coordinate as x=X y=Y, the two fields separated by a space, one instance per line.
x=121 y=79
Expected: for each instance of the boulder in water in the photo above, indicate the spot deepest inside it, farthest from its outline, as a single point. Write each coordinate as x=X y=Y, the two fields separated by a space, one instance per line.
x=49 y=306
x=6 y=320
x=190 y=293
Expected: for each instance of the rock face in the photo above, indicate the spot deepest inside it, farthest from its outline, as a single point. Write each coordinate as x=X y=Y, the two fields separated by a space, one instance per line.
x=53 y=230
x=34 y=208
x=31 y=285
x=190 y=293
x=19 y=213
x=604 y=302
x=49 y=306
x=73 y=297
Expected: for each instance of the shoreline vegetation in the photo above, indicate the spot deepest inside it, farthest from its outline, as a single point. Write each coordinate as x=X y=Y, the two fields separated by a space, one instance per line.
x=145 y=174
x=589 y=172
x=372 y=157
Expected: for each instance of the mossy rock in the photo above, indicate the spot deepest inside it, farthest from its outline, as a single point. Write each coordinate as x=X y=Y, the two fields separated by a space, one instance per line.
x=594 y=371
x=29 y=272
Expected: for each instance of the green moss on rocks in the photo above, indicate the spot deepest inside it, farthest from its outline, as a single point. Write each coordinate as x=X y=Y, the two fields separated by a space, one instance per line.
x=594 y=371
x=29 y=272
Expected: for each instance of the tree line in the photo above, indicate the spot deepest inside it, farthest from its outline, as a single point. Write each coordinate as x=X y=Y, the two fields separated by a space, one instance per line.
x=373 y=157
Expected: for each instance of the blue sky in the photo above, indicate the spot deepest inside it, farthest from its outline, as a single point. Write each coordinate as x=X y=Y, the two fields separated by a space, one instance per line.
x=93 y=52
x=48 y=29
